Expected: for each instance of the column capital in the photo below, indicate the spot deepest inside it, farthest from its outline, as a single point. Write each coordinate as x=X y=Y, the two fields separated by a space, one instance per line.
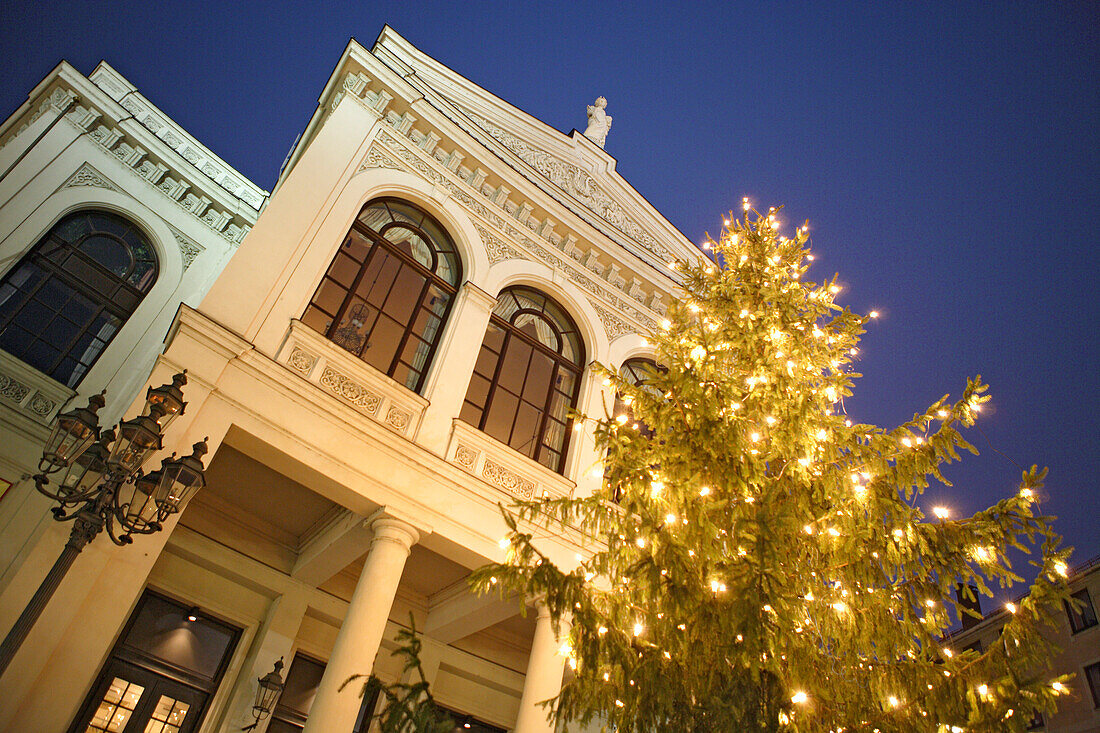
x=390 y=526
x=478 y=296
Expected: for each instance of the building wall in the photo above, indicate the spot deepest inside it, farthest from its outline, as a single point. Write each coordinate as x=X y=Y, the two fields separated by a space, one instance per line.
x=81 y=143
x=1077 y=712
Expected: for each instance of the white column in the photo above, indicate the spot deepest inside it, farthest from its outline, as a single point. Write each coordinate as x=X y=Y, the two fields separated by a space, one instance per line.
x=545 y=668
x=274 y=640
x=360 y=634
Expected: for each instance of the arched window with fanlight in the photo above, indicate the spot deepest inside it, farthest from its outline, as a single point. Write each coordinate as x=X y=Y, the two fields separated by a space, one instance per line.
x=389 y=289
x=639 y=372
x=73 y=291
x=527 y=376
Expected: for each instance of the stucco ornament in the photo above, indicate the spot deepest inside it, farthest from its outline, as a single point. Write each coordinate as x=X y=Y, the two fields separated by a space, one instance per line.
x=599 y=122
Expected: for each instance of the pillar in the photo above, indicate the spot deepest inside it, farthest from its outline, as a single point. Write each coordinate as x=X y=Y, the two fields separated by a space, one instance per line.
x=450 y=376
x=274 y=640
x=334 y=711
x=545 y=668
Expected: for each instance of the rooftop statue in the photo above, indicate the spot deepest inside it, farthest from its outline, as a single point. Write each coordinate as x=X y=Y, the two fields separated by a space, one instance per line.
x=599 y=123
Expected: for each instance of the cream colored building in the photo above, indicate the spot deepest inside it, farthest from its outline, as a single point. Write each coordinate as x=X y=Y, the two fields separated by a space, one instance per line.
x=390 y=352
x=1076 y=634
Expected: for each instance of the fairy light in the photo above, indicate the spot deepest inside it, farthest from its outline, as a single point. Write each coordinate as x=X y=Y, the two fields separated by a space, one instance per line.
x=504 y=542
x=1010 y=607
x=704 y=491
x=873 y=314
x=638 y=628
x=799 y=698
x=1061 y=569
x=941 y=512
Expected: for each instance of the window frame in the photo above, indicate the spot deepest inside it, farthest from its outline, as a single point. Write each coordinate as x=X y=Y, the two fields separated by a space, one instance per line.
x=1079 y=621
x=51 y=255
x=560 y=361
x=1093 y=681
x=379 y=243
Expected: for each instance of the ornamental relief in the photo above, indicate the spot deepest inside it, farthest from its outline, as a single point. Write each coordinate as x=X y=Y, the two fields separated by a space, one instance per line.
x=86 y=175
x=612 y=324
x=376 y=158
x=578 y=183
x=355 y=393
x=508 y=480
x=496 y=247
x=398 y=419
x=466 y=457
x=12 y=390
x=301 y=361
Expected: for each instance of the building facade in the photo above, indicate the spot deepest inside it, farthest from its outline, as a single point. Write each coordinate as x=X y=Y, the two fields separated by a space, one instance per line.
x=394 y=349
x=1076 y=636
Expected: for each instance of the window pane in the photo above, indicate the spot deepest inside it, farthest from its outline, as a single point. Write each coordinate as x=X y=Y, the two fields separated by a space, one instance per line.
x=502 y=412
x=513 y=371
x=85 y=264
x=351 y=332
x=344 y=269
x=394 y=305
x=538 y=378
x=478 y=390
x=329 y=296
x=526 y=431
x=486 y=364
x=383 y=342
x=404 y=296
x=161 y=630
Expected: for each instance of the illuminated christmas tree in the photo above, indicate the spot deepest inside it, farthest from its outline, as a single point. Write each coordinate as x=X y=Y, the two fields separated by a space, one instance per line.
x=765 y=565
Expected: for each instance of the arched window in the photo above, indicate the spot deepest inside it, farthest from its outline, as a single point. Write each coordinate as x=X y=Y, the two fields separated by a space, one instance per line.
x=69 y=296
x=387 y=293
x=639 y=372
x=527 y=376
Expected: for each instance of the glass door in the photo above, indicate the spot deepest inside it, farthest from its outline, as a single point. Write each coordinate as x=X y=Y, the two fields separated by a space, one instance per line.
x=135 y=700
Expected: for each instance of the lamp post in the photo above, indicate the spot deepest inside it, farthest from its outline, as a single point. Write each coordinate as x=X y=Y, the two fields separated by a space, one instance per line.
x=268 y=691
x=99 y=485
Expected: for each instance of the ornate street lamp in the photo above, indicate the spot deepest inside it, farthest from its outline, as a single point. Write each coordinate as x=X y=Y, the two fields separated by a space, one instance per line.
x=100 y=485
x=270 y=687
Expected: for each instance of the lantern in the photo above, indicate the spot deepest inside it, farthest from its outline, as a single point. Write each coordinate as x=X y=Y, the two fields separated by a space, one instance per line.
x=72 y=433
x=169 y=398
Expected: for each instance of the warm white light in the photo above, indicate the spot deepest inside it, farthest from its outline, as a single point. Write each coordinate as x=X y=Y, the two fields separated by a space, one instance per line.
x=941 y=512
x=1010 y=607
x=504 y=542
x=894 y=702
x=754 y=437
x=704 y=491
x=670 y=519
x=638 y=629
x=798 y=698
x=1061 y=569
x=873 y=314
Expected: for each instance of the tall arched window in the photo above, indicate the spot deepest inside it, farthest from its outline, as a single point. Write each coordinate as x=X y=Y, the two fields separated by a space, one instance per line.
x=387 y=293
x=527 y=376
x=69 y=296
x=639 y=372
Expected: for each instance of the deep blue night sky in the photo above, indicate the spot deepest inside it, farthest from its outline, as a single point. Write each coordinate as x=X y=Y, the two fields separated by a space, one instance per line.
x=947 y=161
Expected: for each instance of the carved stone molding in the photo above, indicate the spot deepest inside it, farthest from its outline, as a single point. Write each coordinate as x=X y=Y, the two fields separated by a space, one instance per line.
x=497 y=248
x=398 y=419
x=612 y=324
x=466 y=457
x=301 y=361
x=508 y=480
x=577 y=183
x=25 y=397
x=377 y=158
x=11 y=390
x=543 y=251
x=86 y=175
x=347 y=389
x=189 y=249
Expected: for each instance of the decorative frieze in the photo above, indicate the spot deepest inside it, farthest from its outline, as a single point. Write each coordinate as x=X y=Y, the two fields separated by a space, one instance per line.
x=577 y=183
x=612 y=324
x=466 y=457
x=510 y=481
x=362 y=387
x=24 y=397
x=348 y=389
